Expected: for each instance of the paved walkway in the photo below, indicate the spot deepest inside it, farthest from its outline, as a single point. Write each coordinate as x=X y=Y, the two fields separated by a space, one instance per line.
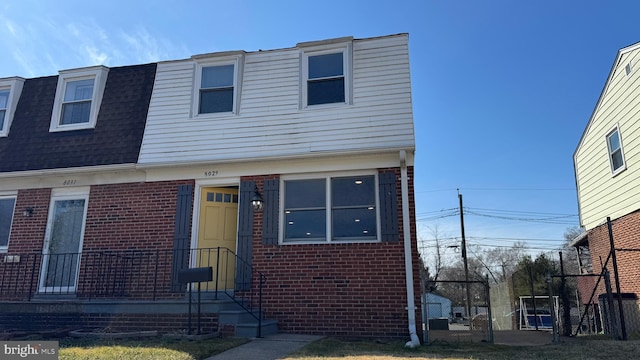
x=270 y=347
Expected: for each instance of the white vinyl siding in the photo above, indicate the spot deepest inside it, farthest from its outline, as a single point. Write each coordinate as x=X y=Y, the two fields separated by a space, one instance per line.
x=270 y=122
x=600 y=194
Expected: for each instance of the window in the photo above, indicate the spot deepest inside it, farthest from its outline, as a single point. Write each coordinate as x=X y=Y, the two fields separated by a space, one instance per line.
x=341 y=208
x=216 y=89
x=217 y=84
x=7 y=205
x=4 y=101
x=326 y=74
x=10 y=90
x=325 y=83
x=78 y=97
x=76 y=106
x=616 y=156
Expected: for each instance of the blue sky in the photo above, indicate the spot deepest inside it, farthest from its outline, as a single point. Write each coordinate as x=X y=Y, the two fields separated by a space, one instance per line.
x=502 y=90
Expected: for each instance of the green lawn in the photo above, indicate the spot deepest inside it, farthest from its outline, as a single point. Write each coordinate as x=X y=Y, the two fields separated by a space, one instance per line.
x=582 y=349
x=334 y=349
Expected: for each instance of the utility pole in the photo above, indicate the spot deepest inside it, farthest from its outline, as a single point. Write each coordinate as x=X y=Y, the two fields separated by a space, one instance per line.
x=464 y=259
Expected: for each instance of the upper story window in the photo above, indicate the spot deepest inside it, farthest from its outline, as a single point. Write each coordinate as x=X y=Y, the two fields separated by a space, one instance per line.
x=325 y=82
x=326 y=73
x=330 y=209
x=10 y=90
x=217 y=84
x=616 y=155
x=216 y=89
x=7 y=206
x=78 y=98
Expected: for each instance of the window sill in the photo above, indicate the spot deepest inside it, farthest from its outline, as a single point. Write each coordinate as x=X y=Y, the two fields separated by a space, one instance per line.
x=329 y=242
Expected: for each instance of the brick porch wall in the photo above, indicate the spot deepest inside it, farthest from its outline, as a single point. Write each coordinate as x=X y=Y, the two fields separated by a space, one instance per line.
x=131 y=216
x=346 y=290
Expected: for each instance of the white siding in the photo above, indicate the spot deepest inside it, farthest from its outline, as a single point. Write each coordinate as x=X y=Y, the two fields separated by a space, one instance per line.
x=601 y=194
x=270 y=121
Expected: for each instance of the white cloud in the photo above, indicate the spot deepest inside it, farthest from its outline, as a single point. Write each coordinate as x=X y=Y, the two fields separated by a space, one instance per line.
x=45 y=46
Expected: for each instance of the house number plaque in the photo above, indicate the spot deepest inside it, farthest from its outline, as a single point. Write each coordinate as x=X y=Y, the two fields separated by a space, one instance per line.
x=69 y=182
x=211 y=173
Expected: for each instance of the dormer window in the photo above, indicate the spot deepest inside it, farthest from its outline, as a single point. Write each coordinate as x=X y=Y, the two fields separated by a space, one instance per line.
x=325 y=81
x=76 y=106
x=4 y=101
x=217 y=84
x=78 y=98
x=10 y=90
x=326 y=72
x=216 y=89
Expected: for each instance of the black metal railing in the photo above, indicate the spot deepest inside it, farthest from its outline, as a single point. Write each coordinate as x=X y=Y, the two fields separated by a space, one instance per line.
x=147 y=274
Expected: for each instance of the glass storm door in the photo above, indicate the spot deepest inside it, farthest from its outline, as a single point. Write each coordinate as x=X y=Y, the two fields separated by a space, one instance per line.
x=61 y=255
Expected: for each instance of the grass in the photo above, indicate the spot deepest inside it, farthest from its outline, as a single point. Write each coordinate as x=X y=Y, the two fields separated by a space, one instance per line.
x=144 y=349
x=582 y=349
x=333 y=349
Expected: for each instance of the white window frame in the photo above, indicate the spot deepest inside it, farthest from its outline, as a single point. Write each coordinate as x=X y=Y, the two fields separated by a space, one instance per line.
x=328 y=206
x=610 y=152
x=203 y=61
x=99 y=75
x=9 y=195
x=14 y=85
x=346 y=50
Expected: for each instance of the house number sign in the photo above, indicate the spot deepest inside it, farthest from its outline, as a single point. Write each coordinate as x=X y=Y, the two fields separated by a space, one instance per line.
x=211 y=173
x=69 y=182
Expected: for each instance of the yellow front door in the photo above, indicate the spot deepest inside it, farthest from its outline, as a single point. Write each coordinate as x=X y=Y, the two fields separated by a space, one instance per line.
x=217 y=234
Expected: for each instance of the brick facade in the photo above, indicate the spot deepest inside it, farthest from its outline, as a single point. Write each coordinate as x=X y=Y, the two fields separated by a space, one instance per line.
x=626 y=235
x=346 y=290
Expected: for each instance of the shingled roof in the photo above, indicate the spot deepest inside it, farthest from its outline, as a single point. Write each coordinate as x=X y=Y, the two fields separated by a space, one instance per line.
x=116 y=138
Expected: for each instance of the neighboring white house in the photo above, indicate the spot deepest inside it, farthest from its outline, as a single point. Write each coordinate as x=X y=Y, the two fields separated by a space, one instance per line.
x=607 y=171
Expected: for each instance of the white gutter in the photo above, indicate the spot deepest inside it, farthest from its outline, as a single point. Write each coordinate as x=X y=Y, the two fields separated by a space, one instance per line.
x=408 y=263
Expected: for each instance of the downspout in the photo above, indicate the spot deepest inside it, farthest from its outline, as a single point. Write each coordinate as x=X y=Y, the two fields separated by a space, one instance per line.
x=408 y=262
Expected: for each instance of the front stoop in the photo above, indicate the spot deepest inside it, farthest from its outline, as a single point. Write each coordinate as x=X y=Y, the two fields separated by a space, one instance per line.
x=244 y=324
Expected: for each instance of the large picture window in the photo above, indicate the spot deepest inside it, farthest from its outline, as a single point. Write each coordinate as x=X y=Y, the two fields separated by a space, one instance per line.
x=7 y=205
x=340 y=208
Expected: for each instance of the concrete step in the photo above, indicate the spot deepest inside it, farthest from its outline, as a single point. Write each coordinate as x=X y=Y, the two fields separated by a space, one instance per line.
x=250 y=329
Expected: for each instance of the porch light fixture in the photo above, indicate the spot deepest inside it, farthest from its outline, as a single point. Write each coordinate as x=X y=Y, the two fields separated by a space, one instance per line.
x=27 y=212
x=256 y=200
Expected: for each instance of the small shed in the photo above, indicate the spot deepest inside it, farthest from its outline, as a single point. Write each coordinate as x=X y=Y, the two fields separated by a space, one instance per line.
x=437 y=306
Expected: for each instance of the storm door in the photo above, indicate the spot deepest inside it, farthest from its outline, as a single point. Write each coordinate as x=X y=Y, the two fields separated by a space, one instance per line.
x=63 y=243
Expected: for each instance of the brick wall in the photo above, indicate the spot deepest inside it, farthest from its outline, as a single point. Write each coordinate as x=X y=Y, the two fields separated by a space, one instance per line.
x=131 y=216
x=346 y=290
x=626 y=235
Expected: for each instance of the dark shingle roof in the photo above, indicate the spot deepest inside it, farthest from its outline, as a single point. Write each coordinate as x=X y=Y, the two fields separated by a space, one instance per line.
x=116 y=138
